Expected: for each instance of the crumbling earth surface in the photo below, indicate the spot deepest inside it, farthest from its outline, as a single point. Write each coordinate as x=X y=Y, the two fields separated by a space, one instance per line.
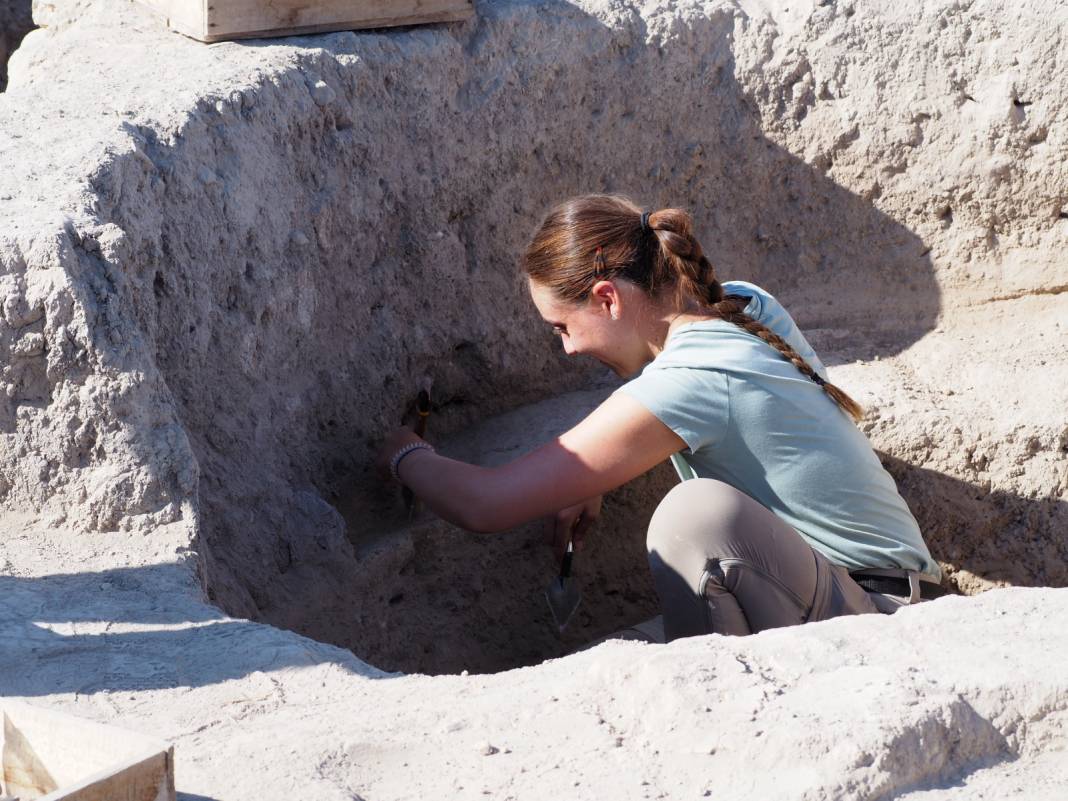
x=225 y=269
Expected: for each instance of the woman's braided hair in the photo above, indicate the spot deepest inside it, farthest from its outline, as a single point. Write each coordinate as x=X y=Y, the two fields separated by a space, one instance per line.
x=592 y=237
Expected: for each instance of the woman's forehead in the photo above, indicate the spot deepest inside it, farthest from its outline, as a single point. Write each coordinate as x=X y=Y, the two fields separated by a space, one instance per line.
x=545 y=300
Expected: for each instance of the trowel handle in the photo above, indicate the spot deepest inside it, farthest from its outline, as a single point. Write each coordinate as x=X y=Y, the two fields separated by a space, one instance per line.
x=422 y=409
x=565 y=566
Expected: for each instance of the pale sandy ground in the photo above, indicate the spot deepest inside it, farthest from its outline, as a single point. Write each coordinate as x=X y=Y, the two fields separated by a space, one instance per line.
x=961 y=697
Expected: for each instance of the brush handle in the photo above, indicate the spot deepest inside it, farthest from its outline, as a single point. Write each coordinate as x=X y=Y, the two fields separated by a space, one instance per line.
x=565 y=565
x=422 y=409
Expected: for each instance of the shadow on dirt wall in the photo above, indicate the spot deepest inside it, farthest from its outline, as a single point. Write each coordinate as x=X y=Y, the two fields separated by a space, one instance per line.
x=15 y=22
x=313 y=413
x=986 y=538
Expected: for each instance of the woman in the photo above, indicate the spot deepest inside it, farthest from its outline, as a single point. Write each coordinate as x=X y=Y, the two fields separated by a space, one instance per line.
x=782 y=496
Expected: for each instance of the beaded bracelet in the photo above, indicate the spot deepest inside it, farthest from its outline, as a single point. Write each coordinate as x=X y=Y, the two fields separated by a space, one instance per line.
x=394 y=463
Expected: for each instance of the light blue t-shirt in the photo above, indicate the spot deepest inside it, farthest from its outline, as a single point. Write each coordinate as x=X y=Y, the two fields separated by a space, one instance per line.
x=753 y=420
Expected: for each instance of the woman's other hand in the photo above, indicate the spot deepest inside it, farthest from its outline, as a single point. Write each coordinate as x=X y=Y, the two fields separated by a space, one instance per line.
x=393 y=443
x=571 y=524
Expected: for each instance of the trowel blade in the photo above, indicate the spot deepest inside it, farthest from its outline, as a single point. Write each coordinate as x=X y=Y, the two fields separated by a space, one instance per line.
x=563 y=595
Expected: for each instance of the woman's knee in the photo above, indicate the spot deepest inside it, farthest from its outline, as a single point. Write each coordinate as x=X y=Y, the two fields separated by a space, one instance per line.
x=718 y=555
x=700 y=512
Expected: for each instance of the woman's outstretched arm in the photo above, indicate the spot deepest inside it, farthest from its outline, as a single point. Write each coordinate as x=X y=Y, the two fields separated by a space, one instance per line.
x=617 y=441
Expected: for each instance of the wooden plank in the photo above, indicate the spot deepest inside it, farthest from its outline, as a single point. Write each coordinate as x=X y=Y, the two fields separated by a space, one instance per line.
x=148 y=779
x=71 y=759
x=243 y=16
x=23 y=773
x=458 y=15
x=186 y=16
x=218 y=21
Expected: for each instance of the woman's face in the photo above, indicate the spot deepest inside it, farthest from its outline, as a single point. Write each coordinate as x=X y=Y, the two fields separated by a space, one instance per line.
x=589 y=327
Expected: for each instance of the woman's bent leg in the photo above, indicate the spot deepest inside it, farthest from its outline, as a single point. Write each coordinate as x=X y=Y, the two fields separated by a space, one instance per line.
x=723 y=563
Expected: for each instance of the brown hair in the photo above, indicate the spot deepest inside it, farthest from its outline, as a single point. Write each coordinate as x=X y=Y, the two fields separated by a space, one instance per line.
x=588 y=238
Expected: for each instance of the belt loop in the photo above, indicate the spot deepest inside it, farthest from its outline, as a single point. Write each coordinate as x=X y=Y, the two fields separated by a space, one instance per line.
x=914 y=587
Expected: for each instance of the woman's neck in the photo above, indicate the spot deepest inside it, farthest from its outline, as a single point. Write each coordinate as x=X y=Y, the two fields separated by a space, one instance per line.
x=672 y=321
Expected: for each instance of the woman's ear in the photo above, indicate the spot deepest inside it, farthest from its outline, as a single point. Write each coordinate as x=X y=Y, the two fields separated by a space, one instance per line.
x=607 y=298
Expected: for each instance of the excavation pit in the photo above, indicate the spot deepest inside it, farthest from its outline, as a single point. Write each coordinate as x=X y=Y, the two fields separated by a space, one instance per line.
x=239 y=299
x=426 y=597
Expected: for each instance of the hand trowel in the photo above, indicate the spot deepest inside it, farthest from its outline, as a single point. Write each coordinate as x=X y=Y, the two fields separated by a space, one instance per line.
x=563 y=593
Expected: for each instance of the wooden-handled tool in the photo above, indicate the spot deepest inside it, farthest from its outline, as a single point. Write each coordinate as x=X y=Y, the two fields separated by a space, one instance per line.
x=422 y=410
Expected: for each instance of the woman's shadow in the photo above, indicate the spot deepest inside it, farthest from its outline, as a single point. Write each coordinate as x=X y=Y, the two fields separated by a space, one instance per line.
x=985 y=538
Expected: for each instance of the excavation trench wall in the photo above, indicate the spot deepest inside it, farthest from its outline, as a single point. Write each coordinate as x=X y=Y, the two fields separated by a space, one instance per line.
x=224 y=290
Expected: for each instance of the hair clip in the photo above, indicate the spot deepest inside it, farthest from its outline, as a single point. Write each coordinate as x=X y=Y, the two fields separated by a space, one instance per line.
x=599 y=265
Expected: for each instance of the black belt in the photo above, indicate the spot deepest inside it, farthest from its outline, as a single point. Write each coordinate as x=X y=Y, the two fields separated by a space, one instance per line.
x=890 y=585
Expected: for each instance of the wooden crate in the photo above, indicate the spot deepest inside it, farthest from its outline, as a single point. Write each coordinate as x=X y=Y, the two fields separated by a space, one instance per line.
x=50 y=756
x=221 y=20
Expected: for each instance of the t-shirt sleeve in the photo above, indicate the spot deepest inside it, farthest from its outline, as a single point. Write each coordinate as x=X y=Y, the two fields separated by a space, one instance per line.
x=694 y=403
x=764 y=308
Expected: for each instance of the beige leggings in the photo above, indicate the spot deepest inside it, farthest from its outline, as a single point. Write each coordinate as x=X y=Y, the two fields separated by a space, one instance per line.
x=724 y=564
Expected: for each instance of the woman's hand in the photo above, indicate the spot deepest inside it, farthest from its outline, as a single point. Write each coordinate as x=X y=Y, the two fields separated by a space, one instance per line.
x=618 y=441
x=571 y=524
x=393 y=443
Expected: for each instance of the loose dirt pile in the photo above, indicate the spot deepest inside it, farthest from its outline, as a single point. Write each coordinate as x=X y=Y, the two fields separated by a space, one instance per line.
x=225 y=269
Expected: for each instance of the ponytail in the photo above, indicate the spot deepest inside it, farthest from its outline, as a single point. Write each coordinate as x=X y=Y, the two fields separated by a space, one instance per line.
x=730 y=309
x=696 y=278
x=591 y=237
